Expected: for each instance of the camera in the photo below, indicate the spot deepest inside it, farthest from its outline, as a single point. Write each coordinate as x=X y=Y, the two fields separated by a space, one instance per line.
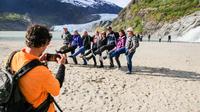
x=52 y=57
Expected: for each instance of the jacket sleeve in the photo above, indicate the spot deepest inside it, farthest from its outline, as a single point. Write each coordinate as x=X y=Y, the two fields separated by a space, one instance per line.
x=124 y=41
x=61 y=74
x=71 y=39
x=68 y=36
x=135 y=43
x=80 y=41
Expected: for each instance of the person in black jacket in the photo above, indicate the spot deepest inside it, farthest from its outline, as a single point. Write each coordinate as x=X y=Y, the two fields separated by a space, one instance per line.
x=111 y=39
x=98 y=41
x=86 y=45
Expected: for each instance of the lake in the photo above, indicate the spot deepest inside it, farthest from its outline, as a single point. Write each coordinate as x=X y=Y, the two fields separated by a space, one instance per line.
x=19 y=35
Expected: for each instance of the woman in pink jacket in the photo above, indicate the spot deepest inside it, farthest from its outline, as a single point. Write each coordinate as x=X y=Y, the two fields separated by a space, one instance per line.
x=119 y=49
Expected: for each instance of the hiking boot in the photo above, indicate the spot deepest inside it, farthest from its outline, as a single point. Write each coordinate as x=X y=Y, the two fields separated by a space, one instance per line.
x=71 y=56
x=84 y=63
x=101 y=66
x=128 y=72
x=111 y=66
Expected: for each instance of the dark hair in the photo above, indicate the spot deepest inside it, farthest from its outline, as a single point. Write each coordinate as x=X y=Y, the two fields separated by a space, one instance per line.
x=123 y=32
x=37 y=36
x=109 y=28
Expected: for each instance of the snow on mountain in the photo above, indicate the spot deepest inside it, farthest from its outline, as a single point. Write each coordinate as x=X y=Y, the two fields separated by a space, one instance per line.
x=87 y=26
x=86 y=3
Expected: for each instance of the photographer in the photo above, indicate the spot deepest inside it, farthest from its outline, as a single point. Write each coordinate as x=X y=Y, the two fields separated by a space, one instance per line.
x=39 y=82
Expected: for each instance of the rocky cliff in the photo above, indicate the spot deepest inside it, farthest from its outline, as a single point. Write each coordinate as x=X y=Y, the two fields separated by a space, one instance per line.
x=160 y=17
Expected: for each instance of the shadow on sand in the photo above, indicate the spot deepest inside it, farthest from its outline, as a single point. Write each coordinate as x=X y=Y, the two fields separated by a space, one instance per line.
x=150 y=71
x=164 y=72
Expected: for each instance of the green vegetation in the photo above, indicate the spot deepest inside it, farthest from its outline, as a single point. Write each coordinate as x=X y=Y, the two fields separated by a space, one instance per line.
x=11 y=17
x=157 y=11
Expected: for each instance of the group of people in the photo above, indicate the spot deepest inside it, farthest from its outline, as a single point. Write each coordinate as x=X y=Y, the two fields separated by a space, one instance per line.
x=114 y=43
x=42 y=81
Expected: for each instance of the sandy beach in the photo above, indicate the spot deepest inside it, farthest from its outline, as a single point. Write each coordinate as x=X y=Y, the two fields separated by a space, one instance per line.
x=166 y=79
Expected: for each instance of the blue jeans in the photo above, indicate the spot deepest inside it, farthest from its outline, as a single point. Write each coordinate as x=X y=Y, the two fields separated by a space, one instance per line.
x=117 y=52
x=129 y=57
x=81 y=50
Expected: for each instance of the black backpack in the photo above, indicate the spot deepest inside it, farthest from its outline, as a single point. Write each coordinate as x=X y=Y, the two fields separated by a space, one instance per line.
x=11 y=98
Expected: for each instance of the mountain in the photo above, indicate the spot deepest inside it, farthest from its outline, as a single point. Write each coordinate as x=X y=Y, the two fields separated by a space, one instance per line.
x=121 y=3
x=87 y=3
x=55 y=12
x=104 y=21
x=160 y=18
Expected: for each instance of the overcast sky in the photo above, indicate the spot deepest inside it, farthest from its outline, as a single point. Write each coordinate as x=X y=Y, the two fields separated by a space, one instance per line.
x=122 y=3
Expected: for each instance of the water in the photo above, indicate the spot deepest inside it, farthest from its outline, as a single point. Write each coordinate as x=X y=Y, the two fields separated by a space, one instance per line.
x=20 y=35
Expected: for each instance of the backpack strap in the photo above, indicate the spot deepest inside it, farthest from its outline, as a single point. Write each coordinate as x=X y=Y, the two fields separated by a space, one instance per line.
x=26 y=68
x=8 y=63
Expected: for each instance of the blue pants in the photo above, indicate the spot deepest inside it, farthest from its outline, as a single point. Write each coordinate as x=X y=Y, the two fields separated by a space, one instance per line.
x=129 y=57
x=117 y=52
x=81 y=50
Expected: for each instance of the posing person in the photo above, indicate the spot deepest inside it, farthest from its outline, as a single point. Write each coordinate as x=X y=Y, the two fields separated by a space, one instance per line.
x=86 y=45
x=119 y=49
x=98 y=40
x=132 y=43
x=111 y=42
x=39 y=82
x=66 y=36
x=75 y=42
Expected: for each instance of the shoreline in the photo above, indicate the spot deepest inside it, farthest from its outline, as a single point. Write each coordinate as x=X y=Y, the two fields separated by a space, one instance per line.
x=18 y=36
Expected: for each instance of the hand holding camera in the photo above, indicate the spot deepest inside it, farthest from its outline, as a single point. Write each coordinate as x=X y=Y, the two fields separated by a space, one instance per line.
x=59 y=58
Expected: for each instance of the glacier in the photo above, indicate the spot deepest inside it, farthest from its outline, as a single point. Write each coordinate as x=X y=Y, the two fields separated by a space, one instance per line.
x=86 y=26
x=87 y=3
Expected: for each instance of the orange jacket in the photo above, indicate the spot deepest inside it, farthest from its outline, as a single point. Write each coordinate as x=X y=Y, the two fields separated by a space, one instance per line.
x=37 y=83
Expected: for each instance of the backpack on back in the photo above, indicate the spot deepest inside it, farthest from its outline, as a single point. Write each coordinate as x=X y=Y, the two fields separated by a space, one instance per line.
x=11 y=98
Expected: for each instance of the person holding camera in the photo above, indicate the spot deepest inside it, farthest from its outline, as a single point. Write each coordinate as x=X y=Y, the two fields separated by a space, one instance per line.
x=39 y=82
x=132 y=43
